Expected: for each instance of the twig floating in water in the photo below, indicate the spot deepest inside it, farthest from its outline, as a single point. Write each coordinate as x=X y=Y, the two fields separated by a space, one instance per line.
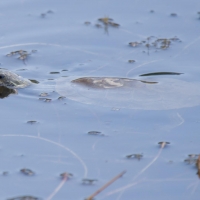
x=106 y=185
x=65 y=176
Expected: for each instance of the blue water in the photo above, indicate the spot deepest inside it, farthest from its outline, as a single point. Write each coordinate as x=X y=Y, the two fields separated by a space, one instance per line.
x=59 y=141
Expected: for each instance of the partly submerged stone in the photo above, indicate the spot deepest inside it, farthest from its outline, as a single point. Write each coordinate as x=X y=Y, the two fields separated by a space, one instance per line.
x=130 y=93
x=11 y=80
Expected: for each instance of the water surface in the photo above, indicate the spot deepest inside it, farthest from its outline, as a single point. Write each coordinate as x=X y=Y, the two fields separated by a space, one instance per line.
x=51 y=136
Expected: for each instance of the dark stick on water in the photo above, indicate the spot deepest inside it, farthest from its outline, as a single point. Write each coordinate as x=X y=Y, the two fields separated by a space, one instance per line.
x=106 y=185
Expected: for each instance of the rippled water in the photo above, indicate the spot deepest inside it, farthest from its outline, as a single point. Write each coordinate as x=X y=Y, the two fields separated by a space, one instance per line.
x=49 y=134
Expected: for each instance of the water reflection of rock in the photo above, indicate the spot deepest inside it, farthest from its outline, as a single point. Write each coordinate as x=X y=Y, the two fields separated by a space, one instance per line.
x=4 y=92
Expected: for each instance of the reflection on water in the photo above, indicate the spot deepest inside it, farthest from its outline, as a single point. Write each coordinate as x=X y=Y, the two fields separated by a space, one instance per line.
x=5 y=92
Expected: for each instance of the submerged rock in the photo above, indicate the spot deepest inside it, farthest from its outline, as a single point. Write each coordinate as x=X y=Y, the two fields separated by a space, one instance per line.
x=131 y=93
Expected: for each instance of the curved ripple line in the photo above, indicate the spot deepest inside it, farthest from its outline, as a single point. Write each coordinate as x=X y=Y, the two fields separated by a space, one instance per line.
x=55 y=143
x=47 y=44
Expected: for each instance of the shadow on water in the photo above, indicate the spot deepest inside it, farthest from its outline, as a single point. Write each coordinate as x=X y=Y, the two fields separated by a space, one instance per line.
x=5 y=92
